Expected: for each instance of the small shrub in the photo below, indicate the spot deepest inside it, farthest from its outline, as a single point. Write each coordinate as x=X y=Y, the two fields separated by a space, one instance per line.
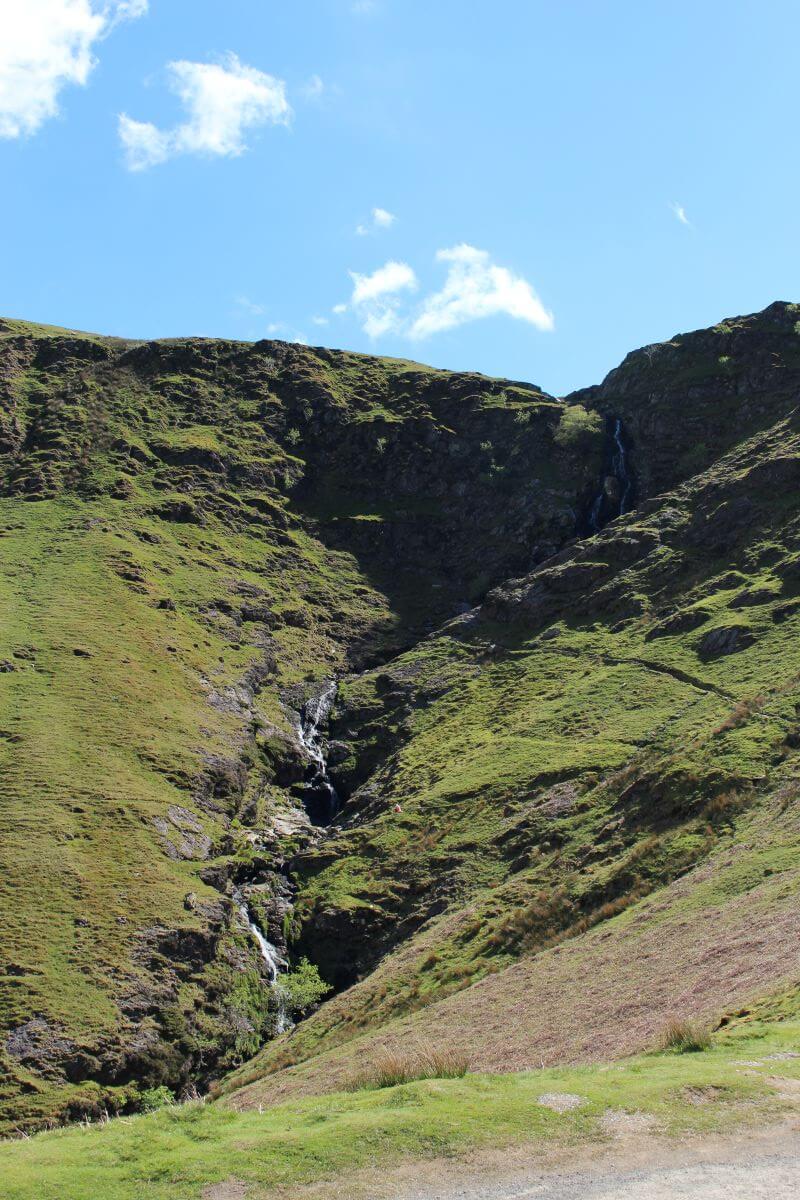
x=155 y=1097
x=523 y=417
x=684 y=1037
x=293 y=436
x=394 y=1067
x=578 y=428
x=380 y=445
x=725 y=805
x=303 y=986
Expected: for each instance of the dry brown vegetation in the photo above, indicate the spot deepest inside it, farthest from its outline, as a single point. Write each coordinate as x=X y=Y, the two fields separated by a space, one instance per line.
x=684 y=1037
x=394 y=1066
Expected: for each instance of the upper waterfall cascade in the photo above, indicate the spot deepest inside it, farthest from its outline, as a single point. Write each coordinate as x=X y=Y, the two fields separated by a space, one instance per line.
x=616 y=490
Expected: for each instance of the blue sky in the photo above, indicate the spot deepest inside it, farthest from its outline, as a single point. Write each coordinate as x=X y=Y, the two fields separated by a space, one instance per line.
x=529 y=188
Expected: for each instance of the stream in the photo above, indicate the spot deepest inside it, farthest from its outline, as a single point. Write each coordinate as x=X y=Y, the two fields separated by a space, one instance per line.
x=321 y=802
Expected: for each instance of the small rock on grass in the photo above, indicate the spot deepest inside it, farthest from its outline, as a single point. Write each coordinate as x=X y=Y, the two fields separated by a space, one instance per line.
x=561 y=1101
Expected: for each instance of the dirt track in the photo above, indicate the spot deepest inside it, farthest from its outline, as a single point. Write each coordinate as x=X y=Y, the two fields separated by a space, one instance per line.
x=754 y=1165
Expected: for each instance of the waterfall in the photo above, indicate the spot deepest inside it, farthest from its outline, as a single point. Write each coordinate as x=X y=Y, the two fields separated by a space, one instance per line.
x=619 y=468
x=322 y=803
x=321 y=798
x=276 y=964
x=611 y=502
x=595 y=511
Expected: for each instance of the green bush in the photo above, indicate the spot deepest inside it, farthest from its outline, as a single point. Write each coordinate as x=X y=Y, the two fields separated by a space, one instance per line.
x=577 y=428
x=303 y=986
x=156 y=1097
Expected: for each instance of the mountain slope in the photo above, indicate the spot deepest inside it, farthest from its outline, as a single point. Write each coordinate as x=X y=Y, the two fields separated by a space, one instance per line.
x=596 y=765
x=191 y=533
x=624 y=717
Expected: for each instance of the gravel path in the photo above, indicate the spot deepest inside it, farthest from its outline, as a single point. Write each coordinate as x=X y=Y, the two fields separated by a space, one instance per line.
x=775 y=1178
x=760 y=1165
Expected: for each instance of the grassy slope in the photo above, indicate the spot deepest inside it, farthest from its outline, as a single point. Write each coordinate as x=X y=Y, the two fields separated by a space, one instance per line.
x=176 y=1153
x=151 y=493
x=552 y=787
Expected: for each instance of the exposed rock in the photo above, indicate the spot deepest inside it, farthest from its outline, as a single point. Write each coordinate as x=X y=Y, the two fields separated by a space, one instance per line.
x=725 y=639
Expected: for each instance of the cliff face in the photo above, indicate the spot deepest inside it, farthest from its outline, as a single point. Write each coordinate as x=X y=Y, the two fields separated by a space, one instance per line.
x=197 y=534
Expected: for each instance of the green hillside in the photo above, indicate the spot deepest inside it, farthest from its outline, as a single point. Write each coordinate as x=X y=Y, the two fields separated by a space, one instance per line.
x=566 y=739
x=192 y=533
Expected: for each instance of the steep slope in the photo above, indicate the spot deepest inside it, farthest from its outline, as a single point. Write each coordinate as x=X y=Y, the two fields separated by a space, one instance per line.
x=193 y=533
x=598 y=776
x=596 y=763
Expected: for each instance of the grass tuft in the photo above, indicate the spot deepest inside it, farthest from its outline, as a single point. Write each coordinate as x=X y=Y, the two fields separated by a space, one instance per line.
x=393 y=1067
x=684 y=1037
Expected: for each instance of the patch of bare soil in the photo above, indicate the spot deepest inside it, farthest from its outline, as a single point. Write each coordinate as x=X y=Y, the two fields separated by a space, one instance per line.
x=231 y=1189
x=561 y=1102
x=618 y=1123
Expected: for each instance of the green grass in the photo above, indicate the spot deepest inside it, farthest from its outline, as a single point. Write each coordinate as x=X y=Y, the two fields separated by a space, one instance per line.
x=174 y=1153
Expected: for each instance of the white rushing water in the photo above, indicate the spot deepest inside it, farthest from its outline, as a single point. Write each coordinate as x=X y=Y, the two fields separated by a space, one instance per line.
x=314 y=714
x=275 y=962
x=619 y=470
x=619 y=466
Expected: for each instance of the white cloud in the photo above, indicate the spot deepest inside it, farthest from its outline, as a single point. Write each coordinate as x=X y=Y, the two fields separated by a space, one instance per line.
x=339 y=309
x=476 y=287
x=126 y=10
x=46 y=45
x=389 y=279
x=679 y=212
x=320 y=321
x=145 y=146
x=375 y=297
x=361 y=7
x=380 y=218
x=222 y=102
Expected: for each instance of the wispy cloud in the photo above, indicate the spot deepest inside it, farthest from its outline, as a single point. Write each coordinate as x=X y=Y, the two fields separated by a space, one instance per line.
x=679 y=212
x=375 y=298
x=379 y=218
x=320 y=321
x=313 y=89
x=475 y=288
x=246 y=305
x=45 y=46
x=222 y=102
x=279 y=329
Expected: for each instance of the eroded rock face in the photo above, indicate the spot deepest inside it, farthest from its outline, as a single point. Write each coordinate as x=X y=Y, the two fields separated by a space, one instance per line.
x=725 y=640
